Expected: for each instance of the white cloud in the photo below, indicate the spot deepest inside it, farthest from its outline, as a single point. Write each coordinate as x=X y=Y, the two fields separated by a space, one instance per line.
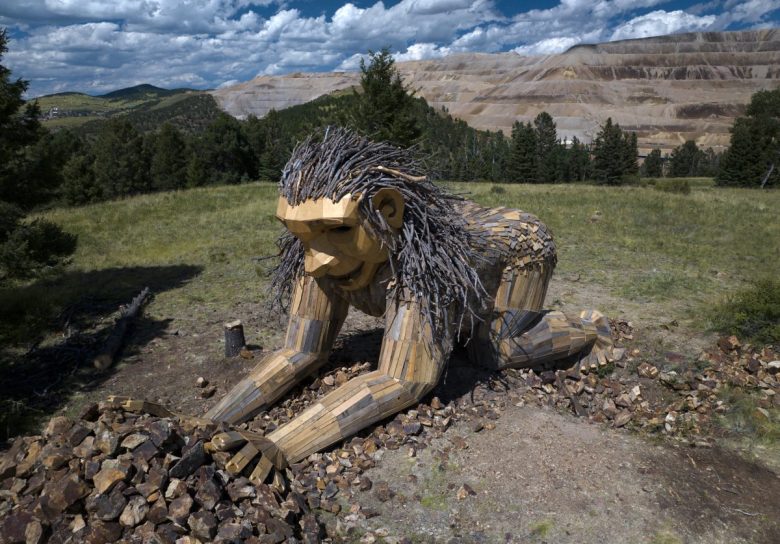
x=100 y=45
x=547 y=47
x=658 y=23
x=421 y=51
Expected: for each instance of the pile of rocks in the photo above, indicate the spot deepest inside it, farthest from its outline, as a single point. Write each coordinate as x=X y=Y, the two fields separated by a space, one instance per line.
x=119 y=476
x=676 y=396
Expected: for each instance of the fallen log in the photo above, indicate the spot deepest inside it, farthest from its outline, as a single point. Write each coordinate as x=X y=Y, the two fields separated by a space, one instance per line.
x=108 y=352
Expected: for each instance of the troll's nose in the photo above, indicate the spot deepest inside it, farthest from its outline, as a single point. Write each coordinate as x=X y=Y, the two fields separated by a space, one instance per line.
x=316 y=263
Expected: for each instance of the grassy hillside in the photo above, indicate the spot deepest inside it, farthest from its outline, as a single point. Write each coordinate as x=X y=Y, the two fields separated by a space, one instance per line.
x=146 y=106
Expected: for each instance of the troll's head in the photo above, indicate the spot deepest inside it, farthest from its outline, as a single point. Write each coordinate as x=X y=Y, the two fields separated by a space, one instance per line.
x=351 y=205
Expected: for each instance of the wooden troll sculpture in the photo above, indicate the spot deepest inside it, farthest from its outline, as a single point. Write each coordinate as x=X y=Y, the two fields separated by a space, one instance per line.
x=367 y=229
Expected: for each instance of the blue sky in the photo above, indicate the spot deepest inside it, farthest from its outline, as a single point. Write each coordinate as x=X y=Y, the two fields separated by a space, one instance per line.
x=95 y=46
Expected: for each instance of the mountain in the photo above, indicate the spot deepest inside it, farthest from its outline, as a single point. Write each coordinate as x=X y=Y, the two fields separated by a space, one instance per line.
x=668 y=89
x=142 y=92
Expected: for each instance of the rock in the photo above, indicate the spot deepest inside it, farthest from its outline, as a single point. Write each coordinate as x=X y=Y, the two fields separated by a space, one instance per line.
x=753 y=365
x=341 y=378
x=77 y=434
x=622 y=418
x=192 y=459
x=100 y=532
x=158 y=512
x=464 y=491
x=609 y=409
x=646 y=370
x=188 y=540
x=107 y=442
x=161 y=432
x=635 y=394
x=86 y=449
x=412 y=428
x=135 y=511
x=33 y=533
x=56 y=426
x=365 y=483
x=107 y=507
x=203 y=525
x=111 y=472
x=773 y=367
x=145 y=451
x=78 y=523
x=436 y=403
x=728 y=343
x=54 y=456
x=328 y=380
x=232 y=531
x=90 y=412
x=134 y=440
x=14 y=526
x=201 y=382
x=64 y=492
x=210 y=492
x=241 y=489
x=179 y=509
x=24 y=467
x=383 y=492
x=176 y=488
x=208 y=392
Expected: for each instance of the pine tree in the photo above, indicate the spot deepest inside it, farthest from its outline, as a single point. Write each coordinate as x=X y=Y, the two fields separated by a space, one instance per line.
x=168 y=167
x=754 y=153
x=546 y=148
x=121 y=166
x=522 y=167
x=79 y=185
x=26 y=247
x=580 y=160
x=686 y=160
x=653 y=165
x=384 y=109
x=614 y=154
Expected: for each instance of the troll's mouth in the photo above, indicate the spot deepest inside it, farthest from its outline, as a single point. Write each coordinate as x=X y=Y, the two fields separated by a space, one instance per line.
x=350 y=275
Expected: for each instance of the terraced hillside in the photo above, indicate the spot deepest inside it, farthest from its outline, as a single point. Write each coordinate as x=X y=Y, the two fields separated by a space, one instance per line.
x=668 y=89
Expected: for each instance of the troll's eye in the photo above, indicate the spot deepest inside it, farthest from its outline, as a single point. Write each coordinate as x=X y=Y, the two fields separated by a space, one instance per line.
x=342 y=228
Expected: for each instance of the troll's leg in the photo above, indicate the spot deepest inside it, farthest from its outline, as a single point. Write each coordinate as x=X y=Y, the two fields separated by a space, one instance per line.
x=521 y=335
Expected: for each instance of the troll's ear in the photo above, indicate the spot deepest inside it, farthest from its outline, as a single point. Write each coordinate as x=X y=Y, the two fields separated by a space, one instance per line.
x=390 y=203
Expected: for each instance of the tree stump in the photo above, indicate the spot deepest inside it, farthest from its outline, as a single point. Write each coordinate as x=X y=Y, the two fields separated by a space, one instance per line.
x=234 y=338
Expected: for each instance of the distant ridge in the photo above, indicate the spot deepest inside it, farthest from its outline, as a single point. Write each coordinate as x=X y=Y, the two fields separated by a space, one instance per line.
x=667 y=88
x=144 y=90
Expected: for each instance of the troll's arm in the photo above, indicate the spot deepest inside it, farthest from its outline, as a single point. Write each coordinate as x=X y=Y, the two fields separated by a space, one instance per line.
x=408 y=369
x=315 y=320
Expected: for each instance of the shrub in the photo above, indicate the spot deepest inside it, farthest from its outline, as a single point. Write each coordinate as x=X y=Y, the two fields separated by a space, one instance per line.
x=673 y=185
x=497 y=190
x=752 y=314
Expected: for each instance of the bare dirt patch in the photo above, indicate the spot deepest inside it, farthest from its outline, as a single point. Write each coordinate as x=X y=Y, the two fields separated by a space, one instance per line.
x=542 y=476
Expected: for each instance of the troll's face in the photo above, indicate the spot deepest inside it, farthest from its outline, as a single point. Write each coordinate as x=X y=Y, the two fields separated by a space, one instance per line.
x=335 y=239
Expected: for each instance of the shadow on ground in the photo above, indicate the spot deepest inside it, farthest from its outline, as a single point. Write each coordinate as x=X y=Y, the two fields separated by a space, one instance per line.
x=50 y=331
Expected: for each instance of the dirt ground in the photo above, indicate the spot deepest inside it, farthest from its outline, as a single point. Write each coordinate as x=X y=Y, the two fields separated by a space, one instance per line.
x=539 y=476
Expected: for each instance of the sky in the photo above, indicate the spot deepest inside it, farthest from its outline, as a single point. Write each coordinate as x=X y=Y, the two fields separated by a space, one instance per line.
x=96 y=46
